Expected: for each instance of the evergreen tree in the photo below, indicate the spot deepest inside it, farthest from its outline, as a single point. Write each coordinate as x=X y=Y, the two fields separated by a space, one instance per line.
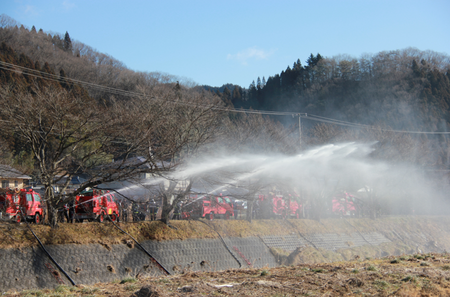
x=67 y=43
x=310 y=61
x=37 y=65
x=260 y=93
x=259 y=84
x=226 y=96
x=236 y=95
x=57 y=42
x=177 y=89
x=62 y=79
x=252 y=96
x=416 y=69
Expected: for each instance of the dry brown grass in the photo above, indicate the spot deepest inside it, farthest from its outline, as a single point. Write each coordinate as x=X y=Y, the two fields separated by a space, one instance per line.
x=17 y=235
x=390 y=276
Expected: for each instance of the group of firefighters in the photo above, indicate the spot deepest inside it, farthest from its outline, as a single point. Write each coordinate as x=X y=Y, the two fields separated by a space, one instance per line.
x=138 y=211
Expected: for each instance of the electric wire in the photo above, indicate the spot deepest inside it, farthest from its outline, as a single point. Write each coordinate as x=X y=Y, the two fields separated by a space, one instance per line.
x=115 y=91
x=223 y=241
x=151 y=257
x=301 y=235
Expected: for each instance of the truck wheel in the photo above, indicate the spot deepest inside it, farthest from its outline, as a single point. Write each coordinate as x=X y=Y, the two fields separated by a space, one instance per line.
x=101 y=217
x=37 y=219
x=211 y=216
x=113 y=217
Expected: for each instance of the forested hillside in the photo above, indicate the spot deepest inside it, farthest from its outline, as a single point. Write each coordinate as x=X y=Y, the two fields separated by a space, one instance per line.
x=400 y=90
x=75 y=59
x=406 y=90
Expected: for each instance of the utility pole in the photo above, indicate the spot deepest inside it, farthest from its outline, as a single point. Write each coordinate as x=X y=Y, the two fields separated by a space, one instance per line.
x=300 y=128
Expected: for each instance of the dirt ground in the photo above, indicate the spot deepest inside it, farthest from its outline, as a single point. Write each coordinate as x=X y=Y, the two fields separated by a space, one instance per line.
x=408 y=275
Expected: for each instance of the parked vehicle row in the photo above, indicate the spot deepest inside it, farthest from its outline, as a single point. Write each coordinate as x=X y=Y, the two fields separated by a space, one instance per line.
x=99 y=205
x=292 y=206
x=26 y=204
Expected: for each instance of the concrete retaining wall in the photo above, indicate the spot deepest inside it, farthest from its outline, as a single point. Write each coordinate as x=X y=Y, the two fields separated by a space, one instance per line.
x=29 y=268
x=88 y=264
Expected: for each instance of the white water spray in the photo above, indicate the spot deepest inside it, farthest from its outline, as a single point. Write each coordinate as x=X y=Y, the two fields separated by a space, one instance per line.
x=325 y=169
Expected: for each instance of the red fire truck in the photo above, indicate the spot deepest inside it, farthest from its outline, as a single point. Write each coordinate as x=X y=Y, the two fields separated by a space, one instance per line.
x=208 y=207
x=27 y=201
x=96 y=205
x=277 y=206
x=344 y=204
x=294 y=209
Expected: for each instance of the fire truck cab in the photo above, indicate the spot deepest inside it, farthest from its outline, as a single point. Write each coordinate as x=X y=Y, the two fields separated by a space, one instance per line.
x=21 y=204
x=96 y=205
x=222 y=207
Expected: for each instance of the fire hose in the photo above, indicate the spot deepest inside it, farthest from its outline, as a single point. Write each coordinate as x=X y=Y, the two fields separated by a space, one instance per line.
x=45 y=250
x=223 y=241
x=360 y=234
x=151 y=257
x=301 y=235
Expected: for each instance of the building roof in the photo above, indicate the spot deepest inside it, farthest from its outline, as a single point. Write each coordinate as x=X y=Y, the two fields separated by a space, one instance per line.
x=8 y=172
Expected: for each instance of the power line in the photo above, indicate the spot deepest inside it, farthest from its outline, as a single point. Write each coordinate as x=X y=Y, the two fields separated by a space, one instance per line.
x=355 y=125
x=53 y=77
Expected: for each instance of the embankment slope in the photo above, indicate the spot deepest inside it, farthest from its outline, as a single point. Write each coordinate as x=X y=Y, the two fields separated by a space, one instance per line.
x=94 y=252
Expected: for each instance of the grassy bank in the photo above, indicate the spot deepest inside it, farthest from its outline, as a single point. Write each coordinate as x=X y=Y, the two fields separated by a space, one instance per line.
x=424 y=230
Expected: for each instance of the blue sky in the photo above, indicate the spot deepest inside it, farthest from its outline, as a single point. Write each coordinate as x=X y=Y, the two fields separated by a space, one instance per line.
x=214 y=42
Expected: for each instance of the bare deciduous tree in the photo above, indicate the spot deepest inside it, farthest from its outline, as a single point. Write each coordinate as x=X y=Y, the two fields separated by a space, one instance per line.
x=187 y=123
x=70 y=135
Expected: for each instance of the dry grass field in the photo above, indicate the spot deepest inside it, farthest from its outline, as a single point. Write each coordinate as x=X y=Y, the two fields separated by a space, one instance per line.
x=413 y=275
